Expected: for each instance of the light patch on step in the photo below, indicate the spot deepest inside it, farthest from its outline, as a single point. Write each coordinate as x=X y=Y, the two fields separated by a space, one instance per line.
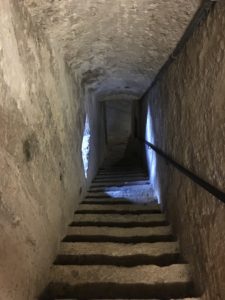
x=136 y=194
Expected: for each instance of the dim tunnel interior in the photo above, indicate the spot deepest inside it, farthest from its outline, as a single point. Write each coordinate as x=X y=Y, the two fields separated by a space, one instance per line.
x=112 y=152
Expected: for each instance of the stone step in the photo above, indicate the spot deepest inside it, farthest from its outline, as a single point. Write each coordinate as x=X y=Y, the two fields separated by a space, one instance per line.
x=116 y=201
x=120 y=174
x=119 y=208
x=114 y=196
x=119 y=235
x=119 y=254
x=118 y=189
x=122 y=171
x=103 y=194
x=119 y=220
x=101 y=282
x=134 y=299
x=119 y=184
x=119 y=179
x=121 y=168
x=100 y=195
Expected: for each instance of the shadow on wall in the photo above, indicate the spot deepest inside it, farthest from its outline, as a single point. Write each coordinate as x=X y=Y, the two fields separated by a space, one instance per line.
x=86 y=146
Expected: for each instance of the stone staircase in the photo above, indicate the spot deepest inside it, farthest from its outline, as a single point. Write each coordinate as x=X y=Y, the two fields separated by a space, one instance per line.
x=119 y=249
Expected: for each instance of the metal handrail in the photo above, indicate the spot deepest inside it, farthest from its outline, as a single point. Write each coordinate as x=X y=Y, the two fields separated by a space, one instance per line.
x=195 y=178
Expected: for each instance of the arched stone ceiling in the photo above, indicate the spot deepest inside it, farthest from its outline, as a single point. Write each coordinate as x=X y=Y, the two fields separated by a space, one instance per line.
x=114 y=45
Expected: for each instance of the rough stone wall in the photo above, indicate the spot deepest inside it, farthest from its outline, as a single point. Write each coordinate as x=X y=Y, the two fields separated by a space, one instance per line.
x=185 y=116
x=40 y=160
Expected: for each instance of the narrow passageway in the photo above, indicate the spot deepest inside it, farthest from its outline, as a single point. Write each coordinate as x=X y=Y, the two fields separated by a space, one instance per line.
x=119 y=244
x=118 y=123
x=112 y=149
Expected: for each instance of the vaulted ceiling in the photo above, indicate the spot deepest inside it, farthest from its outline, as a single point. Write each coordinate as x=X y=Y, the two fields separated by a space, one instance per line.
x=114 y=46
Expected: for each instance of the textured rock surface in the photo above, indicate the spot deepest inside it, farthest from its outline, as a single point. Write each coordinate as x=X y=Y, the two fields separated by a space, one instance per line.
x=120 y=232
x=154 y=249
x=40 y=160
x=120 y=208
x=186 y=118
x=114 y=46
x=75 y=275
x=142 y=299
x=115 y=282
x=121 y=219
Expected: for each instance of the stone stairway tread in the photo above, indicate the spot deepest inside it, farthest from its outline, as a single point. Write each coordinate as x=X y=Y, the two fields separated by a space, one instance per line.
x=161 y=254
x=121 y=172
x=122 y=219
x=122 y=168
x=120 y=175
x=116 y=188
x=150 y=207
x=106 y=173
x=115 y=179
x=114 y=198
x=119 y=234
x=101 y=193
x=120 y=183
x=140 y=274
x=133 y=299
x=112 y=249
x=116 y=201
x=119 y=178
x=114 y=282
